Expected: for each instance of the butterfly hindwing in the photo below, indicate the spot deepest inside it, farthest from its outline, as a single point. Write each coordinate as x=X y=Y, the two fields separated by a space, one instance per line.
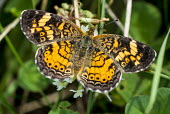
x=99 y=73
x=56 y=60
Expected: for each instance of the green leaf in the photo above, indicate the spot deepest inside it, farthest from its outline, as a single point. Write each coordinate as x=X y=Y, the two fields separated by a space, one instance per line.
x=156 y=45
x=64 y=104
x=30 y=78
x=145 y=21
x=134 y=84
x=139 y=104
x=62 y=109
x=163 y=100
x=11 y=89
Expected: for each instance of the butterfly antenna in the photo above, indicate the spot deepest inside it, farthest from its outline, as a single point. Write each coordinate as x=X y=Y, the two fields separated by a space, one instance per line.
x=109 y=23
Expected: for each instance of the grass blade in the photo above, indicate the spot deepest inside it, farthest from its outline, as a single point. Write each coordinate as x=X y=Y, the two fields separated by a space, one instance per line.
x=157 y=75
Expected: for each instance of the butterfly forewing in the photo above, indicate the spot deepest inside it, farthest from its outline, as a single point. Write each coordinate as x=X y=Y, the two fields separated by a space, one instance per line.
x=130 y=55
x=42 y=27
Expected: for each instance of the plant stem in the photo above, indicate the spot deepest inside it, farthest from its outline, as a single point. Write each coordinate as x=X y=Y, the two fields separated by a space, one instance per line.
x=12 y=47
x=102 y=16
x=89 y=102
x=128 y=15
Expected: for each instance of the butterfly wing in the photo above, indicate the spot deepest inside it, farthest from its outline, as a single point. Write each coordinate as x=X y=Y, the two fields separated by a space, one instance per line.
x=56 y=60
x=99 y=72
x=42 y=27
x=130 y=55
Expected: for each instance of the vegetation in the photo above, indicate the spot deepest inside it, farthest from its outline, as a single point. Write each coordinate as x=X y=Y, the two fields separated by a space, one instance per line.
x=24 y=90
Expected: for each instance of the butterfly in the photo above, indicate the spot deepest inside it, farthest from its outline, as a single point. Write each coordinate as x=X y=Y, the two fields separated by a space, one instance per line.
x=66 y=51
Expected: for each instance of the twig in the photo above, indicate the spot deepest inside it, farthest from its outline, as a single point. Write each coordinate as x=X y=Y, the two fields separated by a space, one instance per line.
x=76 y=13
x=8 y=28
x=44 y=5
x=23 y=101
x=127 y=19
x=33 y=105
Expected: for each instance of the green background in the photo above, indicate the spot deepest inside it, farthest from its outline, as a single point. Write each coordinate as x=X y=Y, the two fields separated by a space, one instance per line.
x=24 y=90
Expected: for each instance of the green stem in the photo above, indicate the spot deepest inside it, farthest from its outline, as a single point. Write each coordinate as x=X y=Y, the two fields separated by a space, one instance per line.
x=89 y=102
x=12 y=47
x=165 y=76
x=45 y=98
x=33 y=4
x=99 y=8
x=57 y=101
x=102 y=16
x=162 y=75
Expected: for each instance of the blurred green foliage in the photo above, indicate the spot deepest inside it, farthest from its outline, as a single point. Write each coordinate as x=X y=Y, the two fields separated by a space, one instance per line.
x=149 y=24
x=30 y=79
x=145 y=22
x=138 y=104
x=62 y=109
